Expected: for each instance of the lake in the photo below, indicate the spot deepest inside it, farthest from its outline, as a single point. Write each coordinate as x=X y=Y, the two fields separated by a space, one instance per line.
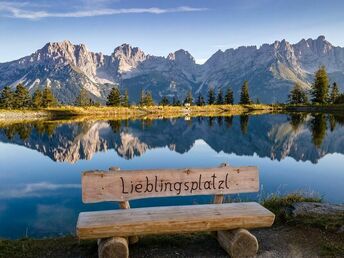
x=41 y=162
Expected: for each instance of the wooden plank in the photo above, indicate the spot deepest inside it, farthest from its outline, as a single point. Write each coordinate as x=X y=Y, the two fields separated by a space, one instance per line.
x=172 y=219
x=98 y=186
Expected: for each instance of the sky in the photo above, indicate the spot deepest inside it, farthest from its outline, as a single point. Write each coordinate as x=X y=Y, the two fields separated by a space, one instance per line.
x=160 y=27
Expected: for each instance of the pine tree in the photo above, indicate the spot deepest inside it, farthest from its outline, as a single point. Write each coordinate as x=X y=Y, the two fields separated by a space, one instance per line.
x=22 y=97
x=334 y=93
x=340 y=99
x=175 y=101
x=114 y=98
x=148 y=99
x=211 y=96
x=245 y=96
x=164 y=101
x=83 y=98
x=37 y=99
x=142 y=98
x=219 y=100
x=125 y=99
x=229 y=99
x=257 y=101
x=297 y=95
x=188 y=99
x=6 y=98
x=200 y=100
x=48 y=99
x=320 y=86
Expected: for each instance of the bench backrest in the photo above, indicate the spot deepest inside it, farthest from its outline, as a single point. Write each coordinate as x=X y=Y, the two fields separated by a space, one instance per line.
x=100 y=186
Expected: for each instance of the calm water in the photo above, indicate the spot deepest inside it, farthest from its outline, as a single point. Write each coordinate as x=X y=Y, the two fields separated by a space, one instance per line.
x=41 y=163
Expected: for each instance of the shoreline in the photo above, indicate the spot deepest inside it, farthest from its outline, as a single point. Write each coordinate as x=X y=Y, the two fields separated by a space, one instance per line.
x=293 y=234
x=158 y=111
x=153 y=112
x=315 y=108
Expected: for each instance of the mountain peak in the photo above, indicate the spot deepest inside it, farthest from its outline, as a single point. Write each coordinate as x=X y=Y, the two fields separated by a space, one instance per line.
x=126 y=50
x=181 y=56
x=321 y=38
x=277 y=65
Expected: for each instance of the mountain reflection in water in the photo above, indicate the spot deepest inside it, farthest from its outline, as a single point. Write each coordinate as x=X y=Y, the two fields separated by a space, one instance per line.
x=40 y=195
x=306 y=137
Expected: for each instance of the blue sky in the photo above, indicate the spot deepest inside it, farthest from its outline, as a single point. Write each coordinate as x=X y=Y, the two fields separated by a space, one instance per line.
x=163 y=26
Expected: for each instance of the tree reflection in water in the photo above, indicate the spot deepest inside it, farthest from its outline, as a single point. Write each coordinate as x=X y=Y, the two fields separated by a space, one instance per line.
x=25 y=130
x=266 y=135
x=244 y=123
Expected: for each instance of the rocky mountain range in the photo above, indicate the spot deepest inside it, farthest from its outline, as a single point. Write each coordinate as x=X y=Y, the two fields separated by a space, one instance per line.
x=271 y=70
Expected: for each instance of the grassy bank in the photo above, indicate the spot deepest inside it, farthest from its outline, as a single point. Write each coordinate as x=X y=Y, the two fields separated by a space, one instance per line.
x=286 y=238
x=134 y=112
x=315 y=108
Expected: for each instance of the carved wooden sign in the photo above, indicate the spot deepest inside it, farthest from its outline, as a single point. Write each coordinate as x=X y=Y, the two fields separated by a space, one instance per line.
x=99 y=186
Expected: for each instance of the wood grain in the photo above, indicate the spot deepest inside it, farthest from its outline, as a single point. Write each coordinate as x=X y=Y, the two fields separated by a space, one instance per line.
x=114 y=247
x=172 y=219
x=238 y=243
x=98 y=186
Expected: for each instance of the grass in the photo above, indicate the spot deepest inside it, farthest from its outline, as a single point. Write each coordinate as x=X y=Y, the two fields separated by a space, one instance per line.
x=280 y=205
x=133 y=112
x=73 y=110
x=330 y=249
x=314 y=107
x=69 y=246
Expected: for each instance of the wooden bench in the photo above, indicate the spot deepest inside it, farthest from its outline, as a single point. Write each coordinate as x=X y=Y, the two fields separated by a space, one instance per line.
x=114 y=229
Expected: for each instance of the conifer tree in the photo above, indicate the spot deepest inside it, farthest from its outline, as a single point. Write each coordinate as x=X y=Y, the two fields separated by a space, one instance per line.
x=83 y=98
x=48 y=99
x=200 y=100
x=297 y=95
x=340 y=99
x=219 y=100
x=211 y=96
x=142 y=98
x=188 y=99
x=164 y=101
x=229 y=99
x=175 y=101
x=37 y=99
x=114 y=98
x=148 y=99
x=22 y=97
x=125 y=99
x=334 y=93
x=6 y=98
x=320 y=87
x=245 y=96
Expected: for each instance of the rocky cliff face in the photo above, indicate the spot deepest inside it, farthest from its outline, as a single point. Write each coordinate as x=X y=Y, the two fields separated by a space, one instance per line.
x=270 y=69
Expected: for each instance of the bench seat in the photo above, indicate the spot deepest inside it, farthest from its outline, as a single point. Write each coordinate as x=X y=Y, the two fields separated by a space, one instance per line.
x=172 y=219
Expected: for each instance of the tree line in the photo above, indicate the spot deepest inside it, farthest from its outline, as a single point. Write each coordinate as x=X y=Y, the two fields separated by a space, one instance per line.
x=21 y=98
x=321 y=91
x=115 y=98
x=213 y=98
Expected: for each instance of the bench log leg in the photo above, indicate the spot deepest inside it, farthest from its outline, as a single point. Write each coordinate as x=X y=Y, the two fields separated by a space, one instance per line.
x=113 y=247
x=238 y=243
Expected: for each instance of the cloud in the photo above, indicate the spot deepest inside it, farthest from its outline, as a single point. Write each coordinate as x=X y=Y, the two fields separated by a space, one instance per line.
x=34 y=190
x=19 y=10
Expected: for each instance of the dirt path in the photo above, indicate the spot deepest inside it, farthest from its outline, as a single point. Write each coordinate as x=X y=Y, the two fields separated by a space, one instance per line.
x=278 y=241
